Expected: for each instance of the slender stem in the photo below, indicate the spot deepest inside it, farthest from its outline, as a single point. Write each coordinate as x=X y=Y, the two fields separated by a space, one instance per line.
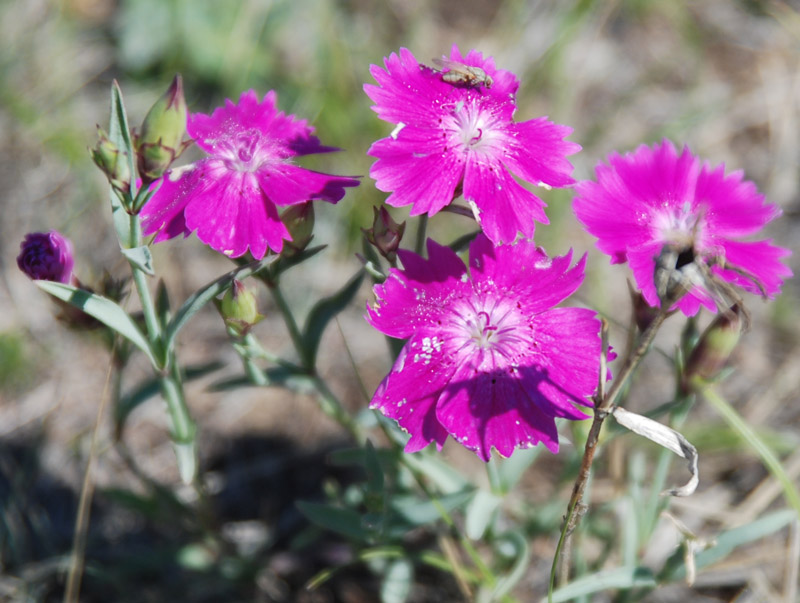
x=422 y=227
x=332 y=406
x=72 y=589
x=289 y=320
x=459 y=210
x=183 y=427
x=609 y=401
x=146 y=300
x=329 y=402
x=184 y=430
x=603 y=407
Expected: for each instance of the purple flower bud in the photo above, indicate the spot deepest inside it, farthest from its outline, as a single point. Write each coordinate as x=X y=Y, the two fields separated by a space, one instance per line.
x=46 y=256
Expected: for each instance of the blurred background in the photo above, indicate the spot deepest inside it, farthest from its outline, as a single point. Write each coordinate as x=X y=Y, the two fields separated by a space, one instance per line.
x=722 y=76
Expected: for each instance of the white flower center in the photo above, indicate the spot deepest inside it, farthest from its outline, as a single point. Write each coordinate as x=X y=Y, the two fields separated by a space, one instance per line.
x=245 y=151
x=492 y=325
x=470 y=124
x=682 y=226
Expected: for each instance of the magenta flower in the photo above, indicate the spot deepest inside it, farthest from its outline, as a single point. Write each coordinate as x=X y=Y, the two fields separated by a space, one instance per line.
x=653 y=197
x=488 y=359
x=454 y=137
x=230 y=198
x=46 y=256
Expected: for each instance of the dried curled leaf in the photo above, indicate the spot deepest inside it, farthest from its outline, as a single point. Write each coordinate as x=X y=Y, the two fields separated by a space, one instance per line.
x=666 y=437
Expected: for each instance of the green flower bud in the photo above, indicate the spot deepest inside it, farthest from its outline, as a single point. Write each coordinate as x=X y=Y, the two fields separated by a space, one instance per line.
x=714 y=348
x=161 y=138
x=239 y=308
x=113 y=162
x=299 y=221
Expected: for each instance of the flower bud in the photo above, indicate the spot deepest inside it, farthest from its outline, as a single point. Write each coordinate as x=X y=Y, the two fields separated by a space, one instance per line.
x=385 y=233
x=643 y=313
x=299 y=221
x=714 y=348
x=46 y=256
x=161 y=138
x=239 y=308
x=113 y=162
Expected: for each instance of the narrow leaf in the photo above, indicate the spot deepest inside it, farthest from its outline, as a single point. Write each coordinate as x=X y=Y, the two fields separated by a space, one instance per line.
x=162 y=304
x=480 y=511
x=420 y=512
x=342 y=521
x=620 y=578
x=522 y=558
x=284 y=263
x=445 y=476
x=729 y=540
x=510 y=470
x=771 y=462
x=103 y=309
x=140 y=257
x=322 y=313
x=119 y=134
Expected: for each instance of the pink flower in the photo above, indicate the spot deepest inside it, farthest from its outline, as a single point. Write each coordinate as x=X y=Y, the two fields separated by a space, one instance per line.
x=46 y=256
x=230 y=198
x=488 y=359
x=459 y=137
x=653 y=197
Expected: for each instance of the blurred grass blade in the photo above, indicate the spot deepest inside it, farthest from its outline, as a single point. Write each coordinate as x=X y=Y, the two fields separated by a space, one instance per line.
x=769 y=459
x=480 y=512
x=522 y=558
x=421 y=512
x=620 y=578
x=729 y=540
x=397 y=581
x=441 y=473
x=103 y=309
x=510 y=470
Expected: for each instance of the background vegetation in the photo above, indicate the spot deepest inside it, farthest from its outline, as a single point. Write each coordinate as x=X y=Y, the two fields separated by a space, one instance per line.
x=720 y=75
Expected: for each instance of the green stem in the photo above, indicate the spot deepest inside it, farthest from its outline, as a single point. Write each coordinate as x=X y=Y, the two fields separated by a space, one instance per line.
x=422 y=227
x=332 y=406
x=184 y=430
x=289 y=320
x=603 y=408
x=329 y=403
x=183 y=427
x=146 y=300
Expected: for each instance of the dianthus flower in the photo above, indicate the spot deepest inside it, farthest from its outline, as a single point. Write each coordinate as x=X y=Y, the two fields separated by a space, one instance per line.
x=654 y=198
x=46 y=256
x=230 y=198
x=456 y=137
x=488 y=359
